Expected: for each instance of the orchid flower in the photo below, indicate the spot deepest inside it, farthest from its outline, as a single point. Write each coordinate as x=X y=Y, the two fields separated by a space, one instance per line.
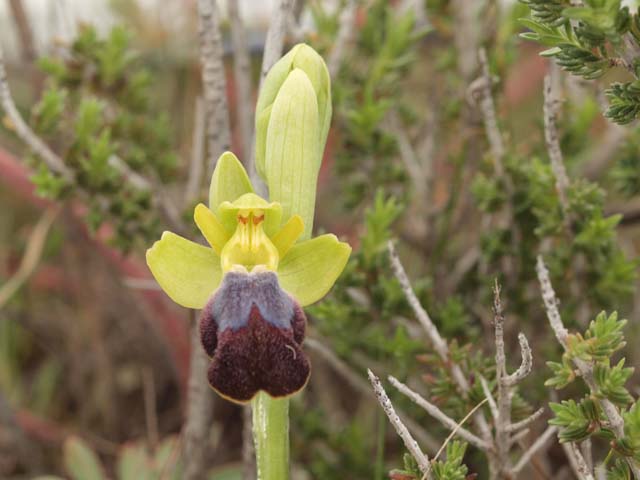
x=262 y=266
x=252 y=268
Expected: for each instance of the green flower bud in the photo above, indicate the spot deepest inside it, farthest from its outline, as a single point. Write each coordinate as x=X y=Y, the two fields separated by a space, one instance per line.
x=293 y=115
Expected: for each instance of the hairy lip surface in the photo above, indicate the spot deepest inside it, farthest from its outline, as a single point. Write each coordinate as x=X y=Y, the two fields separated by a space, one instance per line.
x=253 y=332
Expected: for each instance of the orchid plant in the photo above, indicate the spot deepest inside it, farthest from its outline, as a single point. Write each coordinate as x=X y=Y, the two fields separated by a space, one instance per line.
x=261 y=266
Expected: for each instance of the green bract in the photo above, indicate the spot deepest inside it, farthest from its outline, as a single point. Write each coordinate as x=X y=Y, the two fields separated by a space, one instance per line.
x=244 y=229
x=293 y=114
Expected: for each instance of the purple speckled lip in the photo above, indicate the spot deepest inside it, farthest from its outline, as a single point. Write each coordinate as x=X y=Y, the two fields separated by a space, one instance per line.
x=253 y=332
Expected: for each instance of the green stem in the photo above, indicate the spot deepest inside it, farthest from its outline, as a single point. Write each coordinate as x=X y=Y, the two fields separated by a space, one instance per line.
x=271 y=436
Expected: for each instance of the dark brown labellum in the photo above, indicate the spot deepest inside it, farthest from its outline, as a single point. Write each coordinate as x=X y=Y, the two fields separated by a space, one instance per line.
x=253 y=332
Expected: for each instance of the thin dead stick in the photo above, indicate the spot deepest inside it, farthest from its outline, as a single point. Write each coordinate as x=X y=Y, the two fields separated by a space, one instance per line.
x=194 y=181
x=583 y=468
x=481 y=89
x=413 y=447
x=242 y=77
x=493 y=406
x=550 y=302
x=439 y=345
x=25 y=32
x=150 y=408
x=573 y=461
x=502 y=436
x=274 y=42
x=489 y=116
x=552 y=140
x=24 y=132
x=200 y=402
x=527 y=362
x=134 y=178
x=346 y=31
x=514 y=427
x=537 y=445
x=439 y=415
x=616 y=422
x=407 y=154
x=213 y=80
x=31 y=256
x=587 y=453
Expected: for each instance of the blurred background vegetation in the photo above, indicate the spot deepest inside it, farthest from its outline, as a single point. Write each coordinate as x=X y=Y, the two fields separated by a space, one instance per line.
x=94 y=360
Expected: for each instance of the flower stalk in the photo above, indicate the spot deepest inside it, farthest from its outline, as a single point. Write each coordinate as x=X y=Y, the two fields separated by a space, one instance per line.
x=271 y=436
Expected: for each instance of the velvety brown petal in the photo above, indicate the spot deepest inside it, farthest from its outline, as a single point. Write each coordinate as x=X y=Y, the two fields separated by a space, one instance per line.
x=259 y=356
x=208 y=332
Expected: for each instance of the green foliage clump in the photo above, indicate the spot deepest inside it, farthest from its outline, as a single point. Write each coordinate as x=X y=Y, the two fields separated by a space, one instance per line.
x=98 y=113
x=589 y=40
x=359 y=314
x=451 y=468
x=365 y=94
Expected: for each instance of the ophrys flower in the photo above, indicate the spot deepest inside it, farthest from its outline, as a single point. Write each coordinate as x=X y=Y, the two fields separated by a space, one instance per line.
x=251 y=282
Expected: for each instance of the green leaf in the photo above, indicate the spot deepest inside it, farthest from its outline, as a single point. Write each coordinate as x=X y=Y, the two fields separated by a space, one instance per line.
x=550 y=52
x=187 y=272
x=605 y=335
x=228 y=182
x=80 y=461
x=133 y=463
x=311 y=268
x=292 y=155
x=577 y=421
x=167 y=459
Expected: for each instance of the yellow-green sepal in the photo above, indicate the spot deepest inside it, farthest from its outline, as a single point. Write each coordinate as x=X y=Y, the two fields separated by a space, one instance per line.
x=292 y=159
x=228 y=182
x=288 y=234
x=310 y=268
x=189 y=273
x=210 y=227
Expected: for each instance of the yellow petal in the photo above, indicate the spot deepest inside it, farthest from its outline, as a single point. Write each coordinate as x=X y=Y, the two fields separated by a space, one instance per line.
x=189 y=273
x=311 y=268
x=211 y=228
x=288 y=234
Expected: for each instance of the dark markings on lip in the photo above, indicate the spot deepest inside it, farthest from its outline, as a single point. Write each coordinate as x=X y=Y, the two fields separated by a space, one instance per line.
x=260 y=354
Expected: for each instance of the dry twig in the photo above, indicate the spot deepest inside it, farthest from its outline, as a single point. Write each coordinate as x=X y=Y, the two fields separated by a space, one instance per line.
x=346 y=31
x=553 y=148
x=439 y=415
x=200 y=401
x=242 y=77
x=409 y=442
x=213 y=80
x=194 y=181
